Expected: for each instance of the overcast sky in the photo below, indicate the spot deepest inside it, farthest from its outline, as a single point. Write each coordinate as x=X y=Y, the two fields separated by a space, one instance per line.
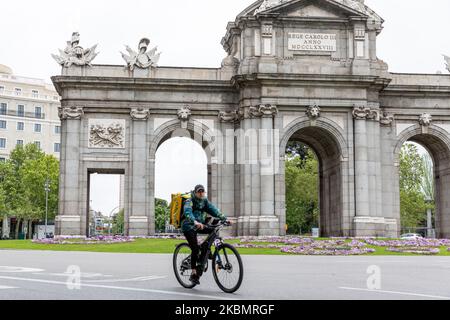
x=189 y=33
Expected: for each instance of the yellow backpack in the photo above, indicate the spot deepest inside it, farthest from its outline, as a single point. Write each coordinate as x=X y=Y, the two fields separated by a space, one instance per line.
x=176 y=209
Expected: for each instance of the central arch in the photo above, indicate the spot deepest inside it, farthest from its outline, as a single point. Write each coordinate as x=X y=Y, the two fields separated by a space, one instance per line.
x=327 y=141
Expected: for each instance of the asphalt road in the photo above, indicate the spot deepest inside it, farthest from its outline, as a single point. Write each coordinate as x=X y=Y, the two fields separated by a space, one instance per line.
x=105 y=276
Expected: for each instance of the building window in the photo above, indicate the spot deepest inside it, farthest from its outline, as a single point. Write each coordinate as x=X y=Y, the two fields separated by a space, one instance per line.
x=19 y=143
x=35 y=93
x=37 y=144
x=21 y=110
x=2 y=143
x=2 y=159
x=57 y=129
x=38 y=112
x=18 y=91
x=57 y=148
x=2 y=89
x=2 y=124
x=37 y=127
x=3 y=108
x=20 y=126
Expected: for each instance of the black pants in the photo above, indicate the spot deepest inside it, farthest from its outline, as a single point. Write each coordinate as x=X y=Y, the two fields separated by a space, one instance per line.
x=191 y=237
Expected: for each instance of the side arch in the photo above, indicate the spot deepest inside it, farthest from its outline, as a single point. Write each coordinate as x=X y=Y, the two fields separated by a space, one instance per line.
x=437 y=141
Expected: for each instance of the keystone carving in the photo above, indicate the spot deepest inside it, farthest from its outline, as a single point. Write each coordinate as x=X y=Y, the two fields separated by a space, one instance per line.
x=425 y=119
x=185 y=113
x=313 y=112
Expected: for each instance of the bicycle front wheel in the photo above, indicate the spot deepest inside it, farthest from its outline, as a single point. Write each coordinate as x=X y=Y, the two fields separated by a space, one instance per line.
x=227 y=268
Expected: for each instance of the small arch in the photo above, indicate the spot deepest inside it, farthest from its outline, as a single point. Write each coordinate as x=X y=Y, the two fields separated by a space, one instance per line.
x=198 y=131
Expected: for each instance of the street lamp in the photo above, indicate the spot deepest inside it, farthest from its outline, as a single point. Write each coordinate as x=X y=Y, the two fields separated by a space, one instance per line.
x=430 y=233
x=47 y=190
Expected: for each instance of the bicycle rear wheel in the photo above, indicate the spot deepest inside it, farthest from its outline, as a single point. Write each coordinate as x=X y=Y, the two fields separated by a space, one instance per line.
x=182 y=265
x=227 y=268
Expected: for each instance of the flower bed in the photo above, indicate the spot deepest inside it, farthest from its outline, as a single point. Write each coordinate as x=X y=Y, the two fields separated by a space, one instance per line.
x=308 y=246
x=328 y=251
x=72 y=240
x=409 y=243
x=415 y=250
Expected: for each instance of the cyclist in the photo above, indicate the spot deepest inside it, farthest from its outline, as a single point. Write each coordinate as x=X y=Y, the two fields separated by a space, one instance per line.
x=195 y=210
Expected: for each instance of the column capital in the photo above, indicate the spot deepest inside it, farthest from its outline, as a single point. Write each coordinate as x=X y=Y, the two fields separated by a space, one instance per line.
x=229 y=116
x=140 y=114
x=70 y=113
x=364 y=112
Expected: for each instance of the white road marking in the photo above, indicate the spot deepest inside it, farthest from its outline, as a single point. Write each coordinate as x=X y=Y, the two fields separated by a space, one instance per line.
x=128 y=280
x=83 y=275
x=122 y=288
x=6 y=288
x=8 y=269
x=398 y=292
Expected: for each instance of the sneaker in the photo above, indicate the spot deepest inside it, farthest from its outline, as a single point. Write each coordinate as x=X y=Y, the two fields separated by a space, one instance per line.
x=194 y=279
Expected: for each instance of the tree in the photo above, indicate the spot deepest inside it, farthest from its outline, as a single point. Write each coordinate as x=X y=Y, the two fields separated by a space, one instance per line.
x=23 y=178
x=302 y=187
x=412 y=168
x=34 y=175
x=413 y=172
x=162 y=212
x=119 y=222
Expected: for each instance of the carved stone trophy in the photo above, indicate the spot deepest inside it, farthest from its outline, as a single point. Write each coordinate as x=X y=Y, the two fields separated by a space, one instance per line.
x=141 y=59
x=75 y=54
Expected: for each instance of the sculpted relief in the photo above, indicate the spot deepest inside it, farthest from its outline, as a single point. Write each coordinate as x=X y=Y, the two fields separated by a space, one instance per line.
x=106 y=134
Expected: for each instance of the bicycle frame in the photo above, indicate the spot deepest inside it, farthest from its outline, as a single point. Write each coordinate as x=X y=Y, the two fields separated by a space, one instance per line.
x=212 y=239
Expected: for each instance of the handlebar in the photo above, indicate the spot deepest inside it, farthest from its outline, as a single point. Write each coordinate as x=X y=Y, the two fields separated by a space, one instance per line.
x=221 y=224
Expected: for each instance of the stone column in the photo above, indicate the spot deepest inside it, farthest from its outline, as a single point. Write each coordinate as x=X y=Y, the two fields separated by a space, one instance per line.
x=139 y=222
x=389 y=176
x=68 y=221
x=361 y=162
x=245 y=135
x=268 y=156
x=225 y=153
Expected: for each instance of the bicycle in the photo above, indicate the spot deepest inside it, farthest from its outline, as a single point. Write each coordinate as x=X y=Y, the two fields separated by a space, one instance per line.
x=225 y=262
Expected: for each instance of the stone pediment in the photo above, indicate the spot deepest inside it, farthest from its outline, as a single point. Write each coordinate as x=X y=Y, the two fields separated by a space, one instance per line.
x=313 y=9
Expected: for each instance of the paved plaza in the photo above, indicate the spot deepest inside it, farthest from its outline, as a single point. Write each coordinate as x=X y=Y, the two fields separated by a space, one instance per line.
x=43 y=275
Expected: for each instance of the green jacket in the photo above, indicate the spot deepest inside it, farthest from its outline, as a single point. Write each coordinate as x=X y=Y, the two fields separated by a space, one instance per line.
x=196 y=210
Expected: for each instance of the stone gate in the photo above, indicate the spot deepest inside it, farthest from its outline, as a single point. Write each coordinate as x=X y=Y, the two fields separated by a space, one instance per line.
x=304 y=70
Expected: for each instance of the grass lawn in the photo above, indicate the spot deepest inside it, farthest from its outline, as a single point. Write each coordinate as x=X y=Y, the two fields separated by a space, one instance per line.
x=162 y=246
x=139 y=246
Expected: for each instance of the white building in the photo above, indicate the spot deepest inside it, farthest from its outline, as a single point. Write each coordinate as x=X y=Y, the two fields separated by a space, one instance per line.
x=28 y=114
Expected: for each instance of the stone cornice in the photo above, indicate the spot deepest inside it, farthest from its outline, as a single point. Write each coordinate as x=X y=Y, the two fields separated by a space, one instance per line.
x=111 y=83
x=333 y=80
